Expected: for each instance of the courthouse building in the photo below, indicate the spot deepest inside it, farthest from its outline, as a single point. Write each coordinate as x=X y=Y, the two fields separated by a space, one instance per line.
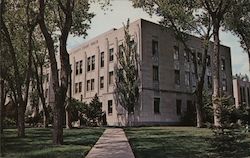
x=166 y=73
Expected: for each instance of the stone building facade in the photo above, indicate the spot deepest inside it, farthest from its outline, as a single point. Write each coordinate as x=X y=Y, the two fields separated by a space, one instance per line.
x=166 y=73
x=241 y=90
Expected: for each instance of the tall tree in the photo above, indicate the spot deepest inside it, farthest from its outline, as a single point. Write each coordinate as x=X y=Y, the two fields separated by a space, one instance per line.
x=17 y=34
x=127 y=75
x=65 y=16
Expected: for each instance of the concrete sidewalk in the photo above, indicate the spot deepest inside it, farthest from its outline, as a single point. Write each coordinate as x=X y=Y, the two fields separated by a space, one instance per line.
x=112 y=144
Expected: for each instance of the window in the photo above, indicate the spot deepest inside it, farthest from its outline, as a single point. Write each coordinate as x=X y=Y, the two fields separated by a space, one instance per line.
x=178 y=107
x=101 y=82
x=155 y=73
x=110 y=107
x=156 y=105
x=88 y=62
x=248 y=96
x=93 y=62
x=193 y=79
x=76 y=87
x=186 y=55
x=224 y=84
x=102 y=59
x=209 y=82
x=80 y=67
x=92 y=84
x=111 y=77
x=46 y=93
x=111 y=54
x=187 y=78
x=176 y=53
x=223 y=64
x=81 y=97
x=88 y=85
x=77 y=68
x=241 y=96
x=208 y=60
x=154 y=47
x=80 y=87
x=190 y=107
x=177 y=77
x=199 y=58
x=120 y=50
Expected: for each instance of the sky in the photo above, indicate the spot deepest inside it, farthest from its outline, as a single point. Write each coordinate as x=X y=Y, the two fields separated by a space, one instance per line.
x=121 y=10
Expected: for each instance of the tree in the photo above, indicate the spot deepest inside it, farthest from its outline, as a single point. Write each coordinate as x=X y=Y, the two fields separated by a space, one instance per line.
x=127 y=75
x=69 y=16
x=16 y=38
x=94 y=113
x=182 y=18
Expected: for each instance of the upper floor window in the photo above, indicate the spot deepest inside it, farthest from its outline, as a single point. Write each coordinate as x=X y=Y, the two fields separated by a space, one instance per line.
x=111 y=77
x=176 y=53
x=101 y=82
x=154 y=47
x=155 y=73
x=156 y=105
x=102 y=59
x=80 y=87
x=93 y=62
x=177 y=77
x=223 y=64
x=187 y=78
x=186 y=55
x=88 y=63
x=92 y=84
x=224 y=84
x=77 y=71
x=80 y=67
x=120 y=53
x=88 y=85
x=76 y=87
x=111 y=54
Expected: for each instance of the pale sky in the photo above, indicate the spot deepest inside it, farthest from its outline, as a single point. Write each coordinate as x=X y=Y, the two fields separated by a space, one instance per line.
x=123 y=9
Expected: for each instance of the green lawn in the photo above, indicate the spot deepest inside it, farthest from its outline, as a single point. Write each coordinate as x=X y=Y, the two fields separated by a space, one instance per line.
x=163 y=142
x=38 y=143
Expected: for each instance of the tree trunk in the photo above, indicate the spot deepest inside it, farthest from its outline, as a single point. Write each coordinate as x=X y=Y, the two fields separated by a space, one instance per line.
x=216 y=76
x=21 y=125
x=58 y=122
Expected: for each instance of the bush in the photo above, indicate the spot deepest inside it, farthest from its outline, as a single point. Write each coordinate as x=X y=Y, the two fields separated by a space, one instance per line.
x=7 y=122
x=227 y=138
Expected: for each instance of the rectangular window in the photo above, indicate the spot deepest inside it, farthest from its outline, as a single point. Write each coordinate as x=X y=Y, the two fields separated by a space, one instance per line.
x=101 y=82
x=76 y=87
x=110 y=107
x=120 y=51
x=92 y=84
x=187 y=78
x=176 y=53
x=155 y=73
x=81 y=97
x=77 y=68
x=186 y=55
x=223 y=64
x=89 y=65
x=111 y=54
x=88 y=85
x=156 y=105
x=111 y=77
x=209 y=82
x=241 y=96
x=102 y=59
x=224 y=84
x=199 y=58
x=177 y=77
x=80 y=67
x=193 y=79
x=154 y=47
x=178 y=107
x=93 y=62
x=208 y=60
x=80 y=87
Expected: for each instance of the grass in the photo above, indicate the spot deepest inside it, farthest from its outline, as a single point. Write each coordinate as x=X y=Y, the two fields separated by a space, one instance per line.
x=163 y=142
x=38 y=143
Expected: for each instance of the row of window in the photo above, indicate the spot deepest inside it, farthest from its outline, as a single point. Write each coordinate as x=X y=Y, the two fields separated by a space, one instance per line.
x=91 y=62
x=244 y=93
x=178 y=106
x=91 y=83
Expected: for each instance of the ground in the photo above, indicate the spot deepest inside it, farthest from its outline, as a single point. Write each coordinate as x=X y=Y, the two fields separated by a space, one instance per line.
x=38 y=143
x=162 y=142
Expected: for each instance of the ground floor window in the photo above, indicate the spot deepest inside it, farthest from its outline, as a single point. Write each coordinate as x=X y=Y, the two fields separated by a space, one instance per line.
x=110 y=107
x=156 y=105
x=178 y=107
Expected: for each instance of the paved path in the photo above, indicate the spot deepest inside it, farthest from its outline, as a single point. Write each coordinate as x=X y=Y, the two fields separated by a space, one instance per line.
x=112 y=144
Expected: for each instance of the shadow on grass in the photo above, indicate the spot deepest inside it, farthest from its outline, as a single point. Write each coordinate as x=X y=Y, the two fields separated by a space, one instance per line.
x=38 y=143
x=167 y=142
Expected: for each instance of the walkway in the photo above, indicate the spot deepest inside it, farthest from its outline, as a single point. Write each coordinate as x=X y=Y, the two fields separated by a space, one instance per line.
x=112 y=144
